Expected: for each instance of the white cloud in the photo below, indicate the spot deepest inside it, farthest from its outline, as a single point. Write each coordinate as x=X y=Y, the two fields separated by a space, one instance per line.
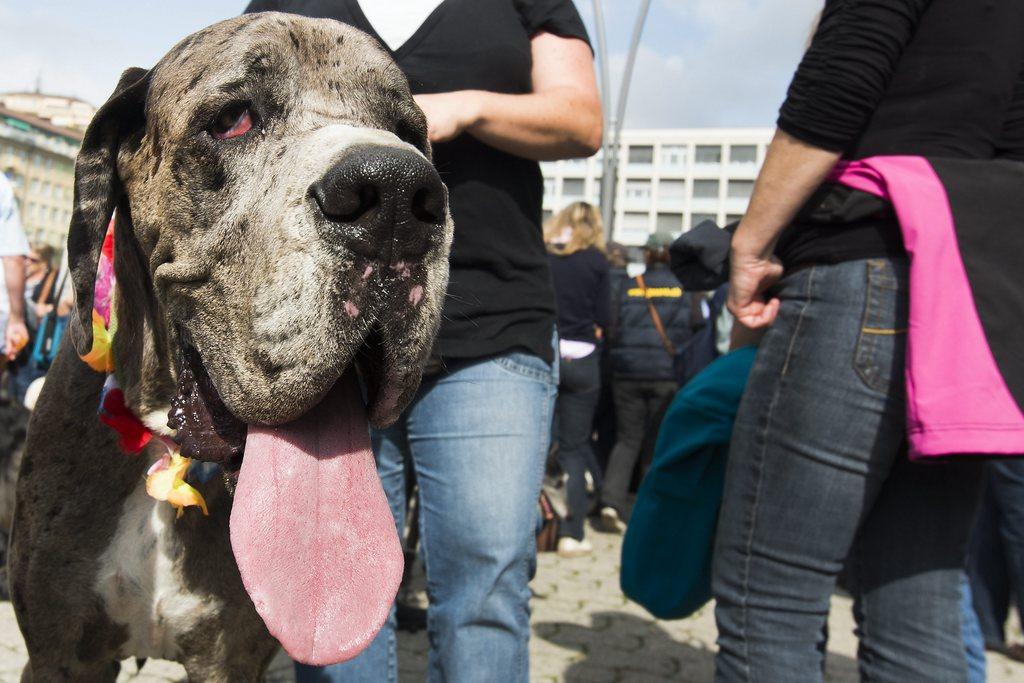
x=730 y=65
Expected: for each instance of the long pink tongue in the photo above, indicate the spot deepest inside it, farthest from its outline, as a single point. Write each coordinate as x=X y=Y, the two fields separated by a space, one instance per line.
x=312 y=531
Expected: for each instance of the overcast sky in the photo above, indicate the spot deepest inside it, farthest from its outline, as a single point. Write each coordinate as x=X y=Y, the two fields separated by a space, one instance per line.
x=702 y=63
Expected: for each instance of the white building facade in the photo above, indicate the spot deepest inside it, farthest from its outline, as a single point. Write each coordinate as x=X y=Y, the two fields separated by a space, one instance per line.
x=669 y=180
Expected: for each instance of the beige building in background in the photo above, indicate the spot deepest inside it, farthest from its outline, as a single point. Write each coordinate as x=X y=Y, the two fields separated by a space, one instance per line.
x=66 y=112
x=669 y=179
x=39 y=158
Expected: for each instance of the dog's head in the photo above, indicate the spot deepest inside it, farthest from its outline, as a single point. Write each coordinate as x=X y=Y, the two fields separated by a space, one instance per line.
x=276 y=195
x=279 y=223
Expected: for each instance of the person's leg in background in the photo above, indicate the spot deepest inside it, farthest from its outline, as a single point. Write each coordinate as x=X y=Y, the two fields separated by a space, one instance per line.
x=817 y=434
x=974 y=641
x=578 y=391
x=1007 y=478
x=987 y=570
x=630 y=419
x=478 y=438
x=658 y=397
x=378 y=662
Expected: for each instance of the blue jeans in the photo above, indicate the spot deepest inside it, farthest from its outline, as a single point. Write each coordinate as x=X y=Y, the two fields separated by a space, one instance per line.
x=974 y=642
x=476 y=436
x=818 y=480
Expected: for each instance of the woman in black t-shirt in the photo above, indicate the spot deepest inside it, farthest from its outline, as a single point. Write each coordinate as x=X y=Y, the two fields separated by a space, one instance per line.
x=504 y=84
x=819 y=481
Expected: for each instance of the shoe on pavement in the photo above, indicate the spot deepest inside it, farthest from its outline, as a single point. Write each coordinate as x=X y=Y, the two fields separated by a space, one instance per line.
x=610 y=520
x=570 y=547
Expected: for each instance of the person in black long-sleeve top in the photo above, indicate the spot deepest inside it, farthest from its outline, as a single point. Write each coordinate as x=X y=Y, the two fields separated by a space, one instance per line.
x=818 y=480
x=580 y=272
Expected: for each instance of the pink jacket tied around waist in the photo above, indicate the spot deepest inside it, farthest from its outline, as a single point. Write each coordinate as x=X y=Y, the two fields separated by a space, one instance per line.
x=963 y=369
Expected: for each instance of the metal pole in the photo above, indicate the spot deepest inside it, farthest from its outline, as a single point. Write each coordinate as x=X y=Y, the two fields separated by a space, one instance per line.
x=607 y=185
x=613 y=126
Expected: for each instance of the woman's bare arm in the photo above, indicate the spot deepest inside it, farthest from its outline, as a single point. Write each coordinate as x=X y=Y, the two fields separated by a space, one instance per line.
x=560 y=118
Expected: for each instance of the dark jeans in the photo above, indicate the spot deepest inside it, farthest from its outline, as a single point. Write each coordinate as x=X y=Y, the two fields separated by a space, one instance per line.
x=579 y=388
x=818 y=480
x=639 y=404
x=996 y=564
x=22 y=375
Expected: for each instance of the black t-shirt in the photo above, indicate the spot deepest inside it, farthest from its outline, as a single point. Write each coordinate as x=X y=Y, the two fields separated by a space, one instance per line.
x=499 y=294
x=939 y=78
x=583 y=292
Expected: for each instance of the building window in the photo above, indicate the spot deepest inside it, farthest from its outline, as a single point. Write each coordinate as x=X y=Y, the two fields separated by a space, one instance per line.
x=35 y=185
x=547 y=216
x=705 y=189
x=740 y=189
x=572 y=187
x=669 y=223
x=743 y=154
x=53 y=215
x=635 y=221
x=674 y=156
x=708 y=154
x=46 y=189
x=733 y=218
x=698 y=218
x=549 y=187
x=672 y=190
x=641 y=154
x=638 y=189
x=31 y=213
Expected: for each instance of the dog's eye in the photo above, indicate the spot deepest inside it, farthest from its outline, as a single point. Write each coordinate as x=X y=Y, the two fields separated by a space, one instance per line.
x=233 y=121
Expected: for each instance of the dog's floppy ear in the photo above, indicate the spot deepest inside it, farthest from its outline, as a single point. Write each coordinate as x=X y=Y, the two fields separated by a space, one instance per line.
x=98 y=188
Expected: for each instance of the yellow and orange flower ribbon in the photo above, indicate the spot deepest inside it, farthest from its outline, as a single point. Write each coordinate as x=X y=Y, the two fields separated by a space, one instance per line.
x=101 y=357
x=166 y=481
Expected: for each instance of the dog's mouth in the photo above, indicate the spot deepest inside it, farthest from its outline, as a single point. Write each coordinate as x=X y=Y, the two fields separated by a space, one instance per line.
x=311 y=529
x=205 y=428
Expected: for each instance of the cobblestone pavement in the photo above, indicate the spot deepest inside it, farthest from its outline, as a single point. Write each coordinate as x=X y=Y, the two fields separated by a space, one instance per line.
x=584 y=629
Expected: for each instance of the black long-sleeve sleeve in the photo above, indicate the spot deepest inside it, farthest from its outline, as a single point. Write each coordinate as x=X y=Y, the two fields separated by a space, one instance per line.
x=1011 y=141
x=263 y=6
x=847 y=68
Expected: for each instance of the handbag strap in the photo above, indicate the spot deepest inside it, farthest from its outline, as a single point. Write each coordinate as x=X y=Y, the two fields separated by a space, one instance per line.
x=44 y=294
x=670 y=349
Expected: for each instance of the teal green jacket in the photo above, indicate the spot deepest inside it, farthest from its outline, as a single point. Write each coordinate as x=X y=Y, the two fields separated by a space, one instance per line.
x=666 y=554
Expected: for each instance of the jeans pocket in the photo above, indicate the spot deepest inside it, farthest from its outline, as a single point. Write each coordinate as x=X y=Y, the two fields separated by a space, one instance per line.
x=881 y=344
x=525 y=365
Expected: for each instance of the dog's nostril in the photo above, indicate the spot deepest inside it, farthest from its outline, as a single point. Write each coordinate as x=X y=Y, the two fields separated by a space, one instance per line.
x=347 y=204
x=357 y=204
x=426 y=206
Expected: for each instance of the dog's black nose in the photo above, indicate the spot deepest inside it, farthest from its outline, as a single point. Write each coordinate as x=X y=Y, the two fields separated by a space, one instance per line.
x=385 y=203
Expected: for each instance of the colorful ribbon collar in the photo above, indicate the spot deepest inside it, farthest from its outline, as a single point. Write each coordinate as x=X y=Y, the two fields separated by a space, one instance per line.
x=166 y=479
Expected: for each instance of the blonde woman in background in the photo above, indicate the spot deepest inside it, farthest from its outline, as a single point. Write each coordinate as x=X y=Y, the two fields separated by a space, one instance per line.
x=579 y=269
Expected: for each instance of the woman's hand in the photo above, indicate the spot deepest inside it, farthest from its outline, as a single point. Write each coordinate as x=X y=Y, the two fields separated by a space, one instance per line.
x=753 y=271
x=42 y=310
x=15 y=337
x=792 y=170
x=449 y=114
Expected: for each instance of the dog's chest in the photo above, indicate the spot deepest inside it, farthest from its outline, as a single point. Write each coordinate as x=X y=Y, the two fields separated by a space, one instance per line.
x=140 y=580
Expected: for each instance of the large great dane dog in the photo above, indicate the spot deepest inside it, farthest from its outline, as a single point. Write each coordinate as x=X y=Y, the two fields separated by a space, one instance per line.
x=281 y=257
